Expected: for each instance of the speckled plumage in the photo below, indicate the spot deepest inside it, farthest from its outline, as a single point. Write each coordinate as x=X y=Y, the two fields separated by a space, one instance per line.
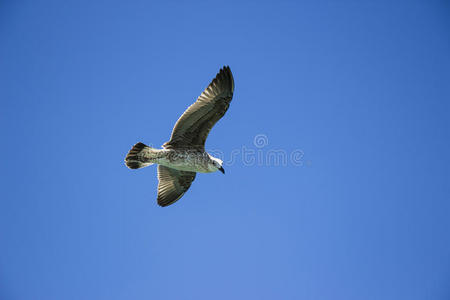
x=184 y=154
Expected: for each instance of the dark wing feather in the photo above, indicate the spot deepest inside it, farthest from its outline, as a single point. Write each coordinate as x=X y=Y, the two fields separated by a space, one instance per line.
x=193 y=127
x=172 y=184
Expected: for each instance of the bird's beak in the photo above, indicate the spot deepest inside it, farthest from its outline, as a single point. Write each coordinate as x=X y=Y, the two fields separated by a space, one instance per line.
x=222 y=170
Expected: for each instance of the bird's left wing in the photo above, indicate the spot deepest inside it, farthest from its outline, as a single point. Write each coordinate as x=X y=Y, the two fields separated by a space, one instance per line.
x=192 y=128
x=172 y=184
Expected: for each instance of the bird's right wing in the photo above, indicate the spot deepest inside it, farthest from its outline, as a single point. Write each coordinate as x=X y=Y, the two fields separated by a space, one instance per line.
x=192 y=128
x=172 y=184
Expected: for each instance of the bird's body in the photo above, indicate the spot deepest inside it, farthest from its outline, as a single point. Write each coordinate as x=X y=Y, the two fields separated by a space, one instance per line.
x=179 y=159
x=185 y=160
x=184 y=154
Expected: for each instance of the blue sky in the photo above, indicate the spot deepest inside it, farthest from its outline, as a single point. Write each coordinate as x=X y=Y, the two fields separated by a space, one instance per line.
x=359 y=88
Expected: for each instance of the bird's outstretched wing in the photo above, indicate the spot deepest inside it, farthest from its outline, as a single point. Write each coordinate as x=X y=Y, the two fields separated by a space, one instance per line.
x=172 y=184
x=192 y=128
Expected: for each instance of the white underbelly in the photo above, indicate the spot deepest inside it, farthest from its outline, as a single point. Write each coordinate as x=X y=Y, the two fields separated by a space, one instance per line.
x=191 y=165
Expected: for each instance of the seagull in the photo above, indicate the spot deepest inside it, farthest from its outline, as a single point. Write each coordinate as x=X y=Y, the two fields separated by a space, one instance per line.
x=184 y=154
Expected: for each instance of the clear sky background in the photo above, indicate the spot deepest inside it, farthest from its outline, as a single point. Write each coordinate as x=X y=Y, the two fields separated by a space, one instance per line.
x=360 y=88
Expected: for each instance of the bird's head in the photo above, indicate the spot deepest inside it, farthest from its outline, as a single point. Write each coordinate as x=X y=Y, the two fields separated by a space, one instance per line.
x=217 y=164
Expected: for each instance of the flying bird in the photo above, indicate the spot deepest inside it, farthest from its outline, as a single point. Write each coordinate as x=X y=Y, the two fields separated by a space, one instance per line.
x=184 y=154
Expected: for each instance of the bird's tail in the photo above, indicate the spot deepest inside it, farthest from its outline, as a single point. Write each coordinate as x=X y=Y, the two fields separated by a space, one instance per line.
x=141 y=156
